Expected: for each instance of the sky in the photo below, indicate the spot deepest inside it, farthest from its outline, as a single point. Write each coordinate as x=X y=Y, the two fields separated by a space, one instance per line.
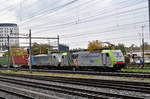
x=79 y=21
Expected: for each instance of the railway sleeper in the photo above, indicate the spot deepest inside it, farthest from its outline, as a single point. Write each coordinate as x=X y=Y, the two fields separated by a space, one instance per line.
x=67 y=89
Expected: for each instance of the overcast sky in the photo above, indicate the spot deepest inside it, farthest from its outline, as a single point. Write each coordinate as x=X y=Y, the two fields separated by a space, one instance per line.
x=79 y=21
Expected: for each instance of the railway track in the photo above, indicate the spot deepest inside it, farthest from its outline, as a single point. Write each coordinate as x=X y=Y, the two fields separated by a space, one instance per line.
x=13 y=92
x=7 y=93
x=83 y=92
x=119 y=73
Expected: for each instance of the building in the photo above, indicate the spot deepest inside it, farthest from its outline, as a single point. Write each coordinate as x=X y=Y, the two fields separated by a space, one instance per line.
x=2 y=52
x=10 y=29
x=63 y=47
x=136 y=55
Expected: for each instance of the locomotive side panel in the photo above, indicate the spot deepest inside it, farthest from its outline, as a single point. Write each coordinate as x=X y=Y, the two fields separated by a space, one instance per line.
x=56 y=59
x=67 y=59
x=64 y=61
x=93 y=59
x=41 y=60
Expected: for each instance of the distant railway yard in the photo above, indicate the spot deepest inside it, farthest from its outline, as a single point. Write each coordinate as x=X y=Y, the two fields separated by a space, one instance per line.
x=65 y=84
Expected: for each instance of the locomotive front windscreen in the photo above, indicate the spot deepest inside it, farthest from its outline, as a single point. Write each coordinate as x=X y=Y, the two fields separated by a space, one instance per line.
x=118 y=56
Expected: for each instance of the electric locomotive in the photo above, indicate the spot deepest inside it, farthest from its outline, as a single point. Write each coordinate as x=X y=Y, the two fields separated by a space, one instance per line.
x=117 y=59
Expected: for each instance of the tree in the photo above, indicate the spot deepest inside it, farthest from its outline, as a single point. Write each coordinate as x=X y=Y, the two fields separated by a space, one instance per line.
x=40 y=48
x=146 y=46
x=16 y=51
x=94 y=45
x=97 y=45
x=121 y=47
x=135 y=47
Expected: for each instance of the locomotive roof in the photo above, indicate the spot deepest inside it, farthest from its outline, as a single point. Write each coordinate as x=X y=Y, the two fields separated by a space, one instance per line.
x=42 y=55
x=86 y=52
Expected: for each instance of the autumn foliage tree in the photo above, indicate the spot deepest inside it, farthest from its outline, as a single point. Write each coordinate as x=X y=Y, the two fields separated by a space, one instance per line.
x=97 y=45
x=40 y=48
x=16 y=51
x=94 y=45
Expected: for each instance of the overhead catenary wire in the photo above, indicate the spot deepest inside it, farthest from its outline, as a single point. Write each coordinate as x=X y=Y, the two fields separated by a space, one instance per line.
x=37 y=16
x=71 y=35
x=115 y=36
x=54 y=9
x=112 y=10
x=70 y=24
x=144 y=7
x=83 y=6
x=111 y=15
x=90 y=19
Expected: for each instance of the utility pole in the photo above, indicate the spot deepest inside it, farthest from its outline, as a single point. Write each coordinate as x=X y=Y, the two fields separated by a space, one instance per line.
x=30 y=57
x=8 y=52
x=58 y=43
x=143 y=46
x=149 y=16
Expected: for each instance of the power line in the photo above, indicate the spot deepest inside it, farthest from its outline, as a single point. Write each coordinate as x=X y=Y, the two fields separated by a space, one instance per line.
x=74 y=23
x=42 y=10
x=126 y=6
x=102 y=13
x=54 y=9
x=48 y=13
x=71 y=35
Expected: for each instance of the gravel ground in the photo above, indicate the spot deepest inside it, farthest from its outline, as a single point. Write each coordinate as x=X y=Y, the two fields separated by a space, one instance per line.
x=107 y=90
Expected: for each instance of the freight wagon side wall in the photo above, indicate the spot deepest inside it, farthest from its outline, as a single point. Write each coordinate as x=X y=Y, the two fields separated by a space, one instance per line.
x=4 y=60
x=19 y=60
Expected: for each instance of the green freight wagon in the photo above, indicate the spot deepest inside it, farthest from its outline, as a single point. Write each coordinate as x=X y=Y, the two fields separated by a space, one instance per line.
x=3 y=60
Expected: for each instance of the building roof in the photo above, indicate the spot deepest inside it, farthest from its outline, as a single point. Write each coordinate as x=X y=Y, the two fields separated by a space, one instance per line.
x=141 y=51
x=2 y=51
x=7 y=24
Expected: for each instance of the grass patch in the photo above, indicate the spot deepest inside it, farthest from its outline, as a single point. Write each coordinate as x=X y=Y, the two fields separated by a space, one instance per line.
x=77 y=75
x=133 y=65
x=137 y=70
x=139 y=79
x=45 y=74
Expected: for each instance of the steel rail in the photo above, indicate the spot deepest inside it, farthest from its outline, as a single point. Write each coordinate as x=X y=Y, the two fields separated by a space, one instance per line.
x=119 y=73
x=68 y=90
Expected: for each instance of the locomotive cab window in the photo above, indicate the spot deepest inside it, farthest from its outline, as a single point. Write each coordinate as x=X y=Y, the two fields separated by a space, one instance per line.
x=107 y=54
x=73 y=56
x=76 y=56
